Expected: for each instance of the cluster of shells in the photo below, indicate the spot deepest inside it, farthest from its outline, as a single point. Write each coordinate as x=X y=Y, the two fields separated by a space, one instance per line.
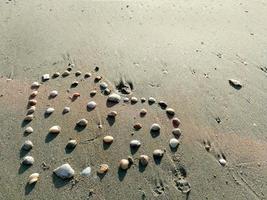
x=65 y=171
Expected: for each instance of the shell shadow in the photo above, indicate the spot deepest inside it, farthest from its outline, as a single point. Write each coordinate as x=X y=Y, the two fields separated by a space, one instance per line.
x=141 y=167
x=69 y=150
x=110 y=104
x=79 y=128
x=23 y=153
x=58 y=182
x=23 y=168
x=29 y=187
x=106 y=145
x=101 y=176
x=154 y=134
x=174 y=149
x=237 y=87
x=170 y=116
x=111 y=120
x=49 y=137
x=89 y=109
x=46 y=115
x=121 y=174
x=134 y=150
x=157 y=160
x=25 y=123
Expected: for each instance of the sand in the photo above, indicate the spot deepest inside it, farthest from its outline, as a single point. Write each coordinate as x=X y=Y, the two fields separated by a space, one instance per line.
x=181 y=52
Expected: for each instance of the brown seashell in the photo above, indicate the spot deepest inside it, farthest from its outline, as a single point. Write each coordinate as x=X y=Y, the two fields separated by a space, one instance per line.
x=124 y=164
x=103 y=168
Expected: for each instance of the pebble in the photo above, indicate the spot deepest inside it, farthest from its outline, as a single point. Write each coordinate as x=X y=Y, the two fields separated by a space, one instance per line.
x=112 y=114
x=137 y=126
x=34 y=93
x=66 y=110
x=176 y=122
x=78 y=73
x=91 y=105
x=28 y=118
x=163 y=104
x=124 y=164
x=107 y=91
x=135 y=144
x=65 y=73
x=45 y=77
x=143 y=159
x=87 y=75
x=35 y=84
x=170 y=111
x=103 y=85
x=32 y=102
x=28 y=145
x=93 y=93
x=27 y=160
x=74 y=83
x=98 y=78
x=71 y=144
x=176 y=132
x=103 y=168
x=126 y=99
x=151 y=100
x=31 y=110
x=222 y=161
x=143 y=112
x=53 y=93
x=114 y=98
x=158 y=153
x=56 y=74
x=75 y=95
x=155 y=127
x=33 y=178
x=143 y=99
x=86 y=172
x=82 y=122
x=50 y=110
x=134 y=100
x=235 y=83
x=174 y=143
x=64 y=171
x=28 y=130
x=108 y=139
x=55 y=129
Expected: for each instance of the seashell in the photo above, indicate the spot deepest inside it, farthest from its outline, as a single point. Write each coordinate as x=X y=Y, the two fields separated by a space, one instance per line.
x=96 y=69
x=56 y=74
x=143 y=159
x=98 y=78
x=163 y=104
x=112 y=114
x=72 y=65
x=176 y=122
x=31 y=110
x=143 y=112
x=87 y=75
x=177 y=132
x=53 y=93
x=49 y=110
x=158 y=153
x=35 y=84
x=103 y=85
x=45 y=77
x=93 y=93
x=32 y=102
x=28 y=145
x=75 y=95
x=64 y=171
x=174 y=143
x=82 y=122
x=86 y=172
x=34 y=93
x=137 y=126
x=115 y=98
x=107 y=91
x=74 y=83
x=134 y=100
x=108 y=139
x=103 y=168
x=78 y=73
x=55 y=129
x=155 y=127
x=66 y=110
x=27 y=160
x=28 y=118
x=71 y=144
x=28 y=130
x=135 y=144
x=170 y=111
x=222 y=161
x=126 y=99
x=91 y=105
x=143 y=99
x=65 y=73
x=33 y=178
x=151 y=100
x=235 y=83
x=124 y=164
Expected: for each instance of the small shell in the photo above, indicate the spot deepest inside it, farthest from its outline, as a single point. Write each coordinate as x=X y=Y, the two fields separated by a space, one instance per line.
x=87 y=75
x=103 y=85
x=163 y=104
x=222 y=161
x=235 y=83
x=126 y=99
x=28 y=118
x=143 y=99
x=135 y=143
x=124 y=164
x=34 y=93
x=78 y=73
x=74 y=83
x=103 y=168
x=112 y=114
x=170 y=111
x=134 y=100
x=65 y=73
x=176 y=122
x=33 y=178
x=56 y=74
x=27 y=145
x=55 y=129
x=27 y=160
x=32 y=102
x=174 y=143
x=35 y=84
x=158 y=153
x=107 y=91
x=31 y=110
x=93 y=93
x=75 y=95
x=177 y=132
x=143 y=159
x=151 y=100
x=98 y=78
x=28 y=130
x=82 y=122
x=108 y=139
x=71 y=144
x=91 y=105
x=53 y=93
x=155 y=127
x=64 y=171
x=69 y=69
x=45 y=77
x=143 y=112
x=49 y=110
x=86 y=172
x=137 y=126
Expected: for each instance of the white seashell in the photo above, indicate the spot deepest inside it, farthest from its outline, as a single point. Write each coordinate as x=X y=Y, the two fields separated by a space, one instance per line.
x=74 y=83
x=170 y=111
x=222 y=161
x=28 y=130
x=112 y=114
x=27 y=145
x=64 y=171
x=31 y=110
x=103 y=168
x=174 y=143
x=78 y=73
x=151 y=100
x=65 y=73
x=158 y=153
x=72 y=144
x=143 y=99
x=108 y=139
x=33 y=178
x=177 y=132
x=28 y=118
x=143 y=159
x=82 y=122
x=126 y=99
x=66 y=110
x=124 y=164
x=143 y=111
x=45 y=77
x=56 y=74
x=103 y=85
x=87 y=75
x=55 y=129
x=86 y=172
x=53 y=93
x=114 y=98
x=91 y=105
x=27 y=160
x=93 y=92
x=134 y=99
x=32 y=102
x=235 y=83
x=155 y=127
x=35 y=84
x=49 y=110
x=135 y=143
x=34 y=93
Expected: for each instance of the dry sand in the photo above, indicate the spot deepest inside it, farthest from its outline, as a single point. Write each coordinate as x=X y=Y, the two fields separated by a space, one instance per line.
x=181 y=52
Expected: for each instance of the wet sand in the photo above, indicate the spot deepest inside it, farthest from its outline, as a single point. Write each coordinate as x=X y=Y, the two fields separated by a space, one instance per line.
x=183 y=53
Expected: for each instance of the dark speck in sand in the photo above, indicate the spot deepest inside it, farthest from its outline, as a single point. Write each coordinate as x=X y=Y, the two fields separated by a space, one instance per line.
x=218 y=120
